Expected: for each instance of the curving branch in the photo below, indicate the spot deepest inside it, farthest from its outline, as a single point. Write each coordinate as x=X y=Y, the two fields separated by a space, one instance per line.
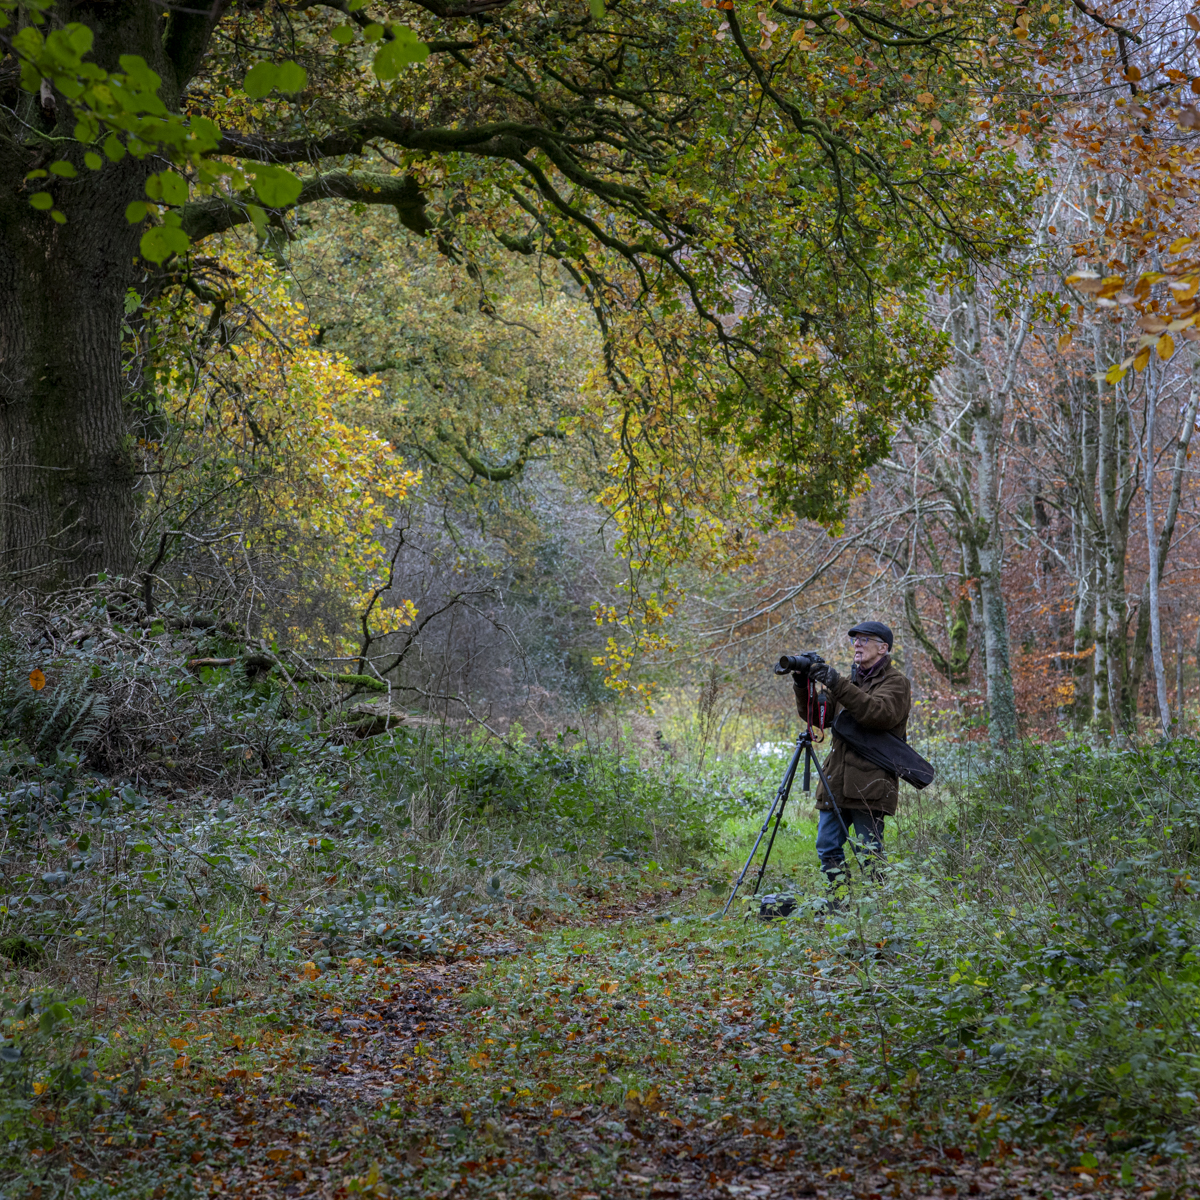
x=216 y=214
x=496 y=472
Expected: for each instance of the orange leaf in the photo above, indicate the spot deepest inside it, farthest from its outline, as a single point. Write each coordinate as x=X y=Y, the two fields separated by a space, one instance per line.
x=1141 y=358
x=1193 y=22
x=37 y=680
x=177 y=1043
x=276 y=1154
x=1064 y=342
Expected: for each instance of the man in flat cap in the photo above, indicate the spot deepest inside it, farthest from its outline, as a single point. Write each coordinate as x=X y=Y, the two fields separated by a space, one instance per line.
x=878 y=696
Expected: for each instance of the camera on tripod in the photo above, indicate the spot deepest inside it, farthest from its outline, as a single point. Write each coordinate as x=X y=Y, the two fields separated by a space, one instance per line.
x=798 y=664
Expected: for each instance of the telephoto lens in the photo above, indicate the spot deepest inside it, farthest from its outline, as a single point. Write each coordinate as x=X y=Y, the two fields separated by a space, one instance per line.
x=799 y=664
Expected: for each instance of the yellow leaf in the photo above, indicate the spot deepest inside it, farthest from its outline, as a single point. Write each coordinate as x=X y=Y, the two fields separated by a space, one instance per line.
x=37 y=680
x=1180 y=243
x=1141 y=358
x=1166 y=346
x=1114 y=374
x=177 y=1043
x=39 y=1087
x=309 y=970
x=1064 y=342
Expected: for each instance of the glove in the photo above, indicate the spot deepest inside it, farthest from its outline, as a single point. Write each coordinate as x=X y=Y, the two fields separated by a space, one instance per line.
x=823 y=673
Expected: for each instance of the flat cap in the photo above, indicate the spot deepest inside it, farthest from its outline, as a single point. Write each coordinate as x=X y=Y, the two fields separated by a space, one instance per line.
x=873 y=629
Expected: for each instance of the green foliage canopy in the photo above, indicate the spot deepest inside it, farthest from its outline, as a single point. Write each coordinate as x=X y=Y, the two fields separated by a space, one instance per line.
x=745 y=194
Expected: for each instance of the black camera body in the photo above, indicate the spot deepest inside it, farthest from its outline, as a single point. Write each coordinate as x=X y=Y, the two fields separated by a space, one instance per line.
x=798 y=664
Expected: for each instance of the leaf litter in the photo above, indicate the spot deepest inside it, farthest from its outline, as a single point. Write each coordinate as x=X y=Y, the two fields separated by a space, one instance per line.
x=615 y=1055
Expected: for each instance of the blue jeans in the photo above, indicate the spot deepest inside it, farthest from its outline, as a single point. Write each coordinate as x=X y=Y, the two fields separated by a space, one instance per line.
x=868 y=837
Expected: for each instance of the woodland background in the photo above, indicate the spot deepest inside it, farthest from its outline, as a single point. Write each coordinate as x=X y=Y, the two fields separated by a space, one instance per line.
x=1005 y=533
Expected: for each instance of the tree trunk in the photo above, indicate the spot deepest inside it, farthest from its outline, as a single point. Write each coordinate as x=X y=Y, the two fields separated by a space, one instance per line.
x=1179 y=729
x=67 y=472
x=1114 y=483
x=66 y=475
x=987 y=404
x=1154 y=573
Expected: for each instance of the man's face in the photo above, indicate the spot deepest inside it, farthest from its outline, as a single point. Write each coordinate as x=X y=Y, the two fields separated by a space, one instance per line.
x=868 y=651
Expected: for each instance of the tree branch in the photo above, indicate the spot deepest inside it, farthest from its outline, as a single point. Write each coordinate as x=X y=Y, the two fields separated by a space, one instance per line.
x=216 y=214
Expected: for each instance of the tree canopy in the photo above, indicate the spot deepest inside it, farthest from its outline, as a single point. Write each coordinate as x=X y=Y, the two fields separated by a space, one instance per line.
x=744 y=194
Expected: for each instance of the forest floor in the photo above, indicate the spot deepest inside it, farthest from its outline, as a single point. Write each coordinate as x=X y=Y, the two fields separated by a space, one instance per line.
x=625 y=1045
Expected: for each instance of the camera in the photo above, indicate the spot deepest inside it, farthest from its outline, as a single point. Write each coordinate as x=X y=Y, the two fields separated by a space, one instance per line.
x=798 y=664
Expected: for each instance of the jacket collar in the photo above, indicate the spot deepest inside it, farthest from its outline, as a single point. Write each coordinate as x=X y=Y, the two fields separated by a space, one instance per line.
x=878 y=669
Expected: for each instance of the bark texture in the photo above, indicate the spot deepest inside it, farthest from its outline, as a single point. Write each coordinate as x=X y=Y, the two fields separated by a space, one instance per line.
x=66 y=475
x=66 y=468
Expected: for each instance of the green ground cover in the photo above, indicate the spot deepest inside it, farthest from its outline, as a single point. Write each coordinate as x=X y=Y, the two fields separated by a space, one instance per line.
x=429 y=965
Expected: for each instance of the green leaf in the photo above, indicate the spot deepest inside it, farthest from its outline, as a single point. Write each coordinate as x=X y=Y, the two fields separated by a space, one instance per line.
x=395 y=55
x=38 y=174
x=260 y=79
x=276 y=186
x=42 y=200
x=258 y=218
x=292 y=78
x=80 y=37
x=161 y=241
x=136 y=212
x=113 y=148
x=58 y=216
x=373 y=32
x=167 y=186
x=93 y=160
x=63 y=168
x=597 y=7
x=343 y=34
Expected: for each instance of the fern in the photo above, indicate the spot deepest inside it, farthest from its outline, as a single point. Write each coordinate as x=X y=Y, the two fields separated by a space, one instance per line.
x=67 y=715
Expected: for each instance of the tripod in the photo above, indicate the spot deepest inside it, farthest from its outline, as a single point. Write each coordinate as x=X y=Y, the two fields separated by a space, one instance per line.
x=804 y=748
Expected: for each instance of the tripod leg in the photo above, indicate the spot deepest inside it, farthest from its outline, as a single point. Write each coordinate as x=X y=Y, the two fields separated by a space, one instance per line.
x=767 y=854
x=781 y=799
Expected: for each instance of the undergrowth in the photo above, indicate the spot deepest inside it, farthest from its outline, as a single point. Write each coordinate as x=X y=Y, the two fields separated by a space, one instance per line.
x=179 y=843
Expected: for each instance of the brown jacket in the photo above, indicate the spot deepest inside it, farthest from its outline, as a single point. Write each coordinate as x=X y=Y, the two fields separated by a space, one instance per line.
x=881 y=702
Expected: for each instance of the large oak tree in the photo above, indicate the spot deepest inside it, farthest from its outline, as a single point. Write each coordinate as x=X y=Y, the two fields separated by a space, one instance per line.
x=745 y=192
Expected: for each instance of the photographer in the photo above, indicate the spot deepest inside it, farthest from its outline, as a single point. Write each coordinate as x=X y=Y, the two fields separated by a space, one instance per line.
x=878 y=696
